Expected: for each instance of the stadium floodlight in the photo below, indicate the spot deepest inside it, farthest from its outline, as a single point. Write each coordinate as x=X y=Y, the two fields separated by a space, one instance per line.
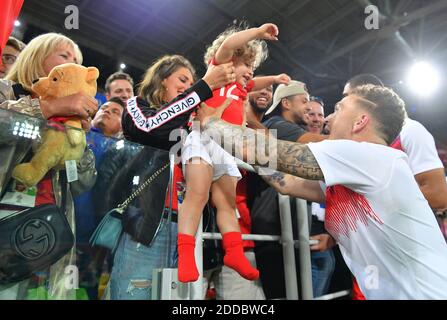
x=423 y=79
x=122 y=66
x=17 y=23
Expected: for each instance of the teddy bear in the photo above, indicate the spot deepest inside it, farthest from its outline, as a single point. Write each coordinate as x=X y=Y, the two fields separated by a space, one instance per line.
x=63 y=138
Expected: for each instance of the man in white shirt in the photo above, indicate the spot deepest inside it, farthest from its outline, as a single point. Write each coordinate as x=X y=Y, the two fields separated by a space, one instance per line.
x=375 y=210
x=419 y=145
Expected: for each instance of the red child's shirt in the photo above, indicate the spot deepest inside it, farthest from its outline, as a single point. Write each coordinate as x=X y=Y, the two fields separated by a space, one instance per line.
x=234 y=113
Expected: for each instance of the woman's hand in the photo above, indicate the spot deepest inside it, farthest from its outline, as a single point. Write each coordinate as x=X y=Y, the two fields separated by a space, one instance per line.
x=268 y=31
x=79 y=105
x=219 y=76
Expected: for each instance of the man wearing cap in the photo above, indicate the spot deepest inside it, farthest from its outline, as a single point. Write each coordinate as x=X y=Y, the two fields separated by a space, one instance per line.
x=287 y=113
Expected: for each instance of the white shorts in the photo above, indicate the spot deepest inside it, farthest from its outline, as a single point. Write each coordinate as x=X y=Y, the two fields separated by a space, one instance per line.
x=200 y=145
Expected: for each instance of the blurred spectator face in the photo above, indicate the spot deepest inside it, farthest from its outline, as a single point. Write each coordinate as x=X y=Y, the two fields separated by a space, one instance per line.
x=108 y=118
x=9 y=57
x=120 y=88
x=315 y=117
x=298 y=108
x=179 y=81
x=63 y=54
x=260 y=100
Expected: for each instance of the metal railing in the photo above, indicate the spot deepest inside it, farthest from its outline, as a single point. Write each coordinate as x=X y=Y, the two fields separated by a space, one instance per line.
x=196 y=290
x=288 y=247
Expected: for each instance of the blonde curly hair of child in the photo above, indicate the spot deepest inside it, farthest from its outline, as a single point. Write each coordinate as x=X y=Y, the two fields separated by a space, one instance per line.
x=254 y=50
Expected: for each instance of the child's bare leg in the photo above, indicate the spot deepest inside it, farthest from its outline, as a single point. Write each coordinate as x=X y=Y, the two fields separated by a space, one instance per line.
x=198 y=178
x=223 y=192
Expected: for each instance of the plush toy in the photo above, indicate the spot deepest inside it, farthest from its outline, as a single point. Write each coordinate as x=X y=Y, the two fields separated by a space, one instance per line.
x=63 y=139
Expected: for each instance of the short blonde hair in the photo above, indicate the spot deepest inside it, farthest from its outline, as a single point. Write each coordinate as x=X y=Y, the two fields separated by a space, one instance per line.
x=151 y=88
x=254 y=51
x=29 y=64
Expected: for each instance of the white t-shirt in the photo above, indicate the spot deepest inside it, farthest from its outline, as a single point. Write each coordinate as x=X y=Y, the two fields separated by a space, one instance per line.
x=387 y=233
x=419 y=145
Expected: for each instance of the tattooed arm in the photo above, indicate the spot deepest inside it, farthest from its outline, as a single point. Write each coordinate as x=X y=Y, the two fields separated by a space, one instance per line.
x=291 y=157
x=298 y=160
x=293 y=186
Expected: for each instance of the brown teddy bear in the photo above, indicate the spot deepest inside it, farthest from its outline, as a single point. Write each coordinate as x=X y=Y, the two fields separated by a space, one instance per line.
x=62 y=140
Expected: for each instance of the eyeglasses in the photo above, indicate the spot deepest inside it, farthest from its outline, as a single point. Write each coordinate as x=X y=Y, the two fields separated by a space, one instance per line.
x=8 y=59
x=317 y=99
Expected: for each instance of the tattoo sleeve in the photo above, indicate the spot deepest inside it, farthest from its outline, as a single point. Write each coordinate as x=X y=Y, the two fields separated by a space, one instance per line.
x=276 y=179
x=298 y=160
x=289 y=157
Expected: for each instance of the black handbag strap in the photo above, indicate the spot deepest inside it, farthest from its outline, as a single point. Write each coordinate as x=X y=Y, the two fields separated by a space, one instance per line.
x=122 y=207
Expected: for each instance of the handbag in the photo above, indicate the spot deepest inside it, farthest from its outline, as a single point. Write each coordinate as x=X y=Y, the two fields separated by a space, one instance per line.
x=143 y=218
x=32 y=240
x=109 y=231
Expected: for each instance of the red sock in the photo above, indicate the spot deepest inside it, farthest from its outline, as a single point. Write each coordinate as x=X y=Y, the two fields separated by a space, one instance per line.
x=235 y=257
x=187 y=269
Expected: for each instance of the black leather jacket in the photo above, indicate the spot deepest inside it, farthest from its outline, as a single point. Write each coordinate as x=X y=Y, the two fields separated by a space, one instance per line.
x=149 y=126
x=143 y=215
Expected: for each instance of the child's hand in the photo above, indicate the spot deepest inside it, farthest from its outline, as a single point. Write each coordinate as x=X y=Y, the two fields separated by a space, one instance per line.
x=268 y=31
x=282 y=79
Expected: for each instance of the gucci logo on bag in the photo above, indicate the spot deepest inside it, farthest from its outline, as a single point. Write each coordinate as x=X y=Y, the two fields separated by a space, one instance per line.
x=34 y=239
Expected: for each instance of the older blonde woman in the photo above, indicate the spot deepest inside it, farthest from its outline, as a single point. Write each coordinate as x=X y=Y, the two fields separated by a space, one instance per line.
x=36 y=60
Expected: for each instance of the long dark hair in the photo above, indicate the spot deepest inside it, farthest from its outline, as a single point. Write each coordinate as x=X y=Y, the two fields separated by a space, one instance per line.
x=151 y=88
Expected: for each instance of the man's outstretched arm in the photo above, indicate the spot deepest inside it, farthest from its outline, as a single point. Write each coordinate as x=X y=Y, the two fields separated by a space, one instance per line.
x=291 y=157
x=292 y=186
